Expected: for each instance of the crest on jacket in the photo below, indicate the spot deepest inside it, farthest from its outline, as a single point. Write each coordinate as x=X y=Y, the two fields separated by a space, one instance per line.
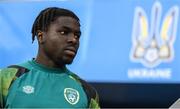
x=71 y=95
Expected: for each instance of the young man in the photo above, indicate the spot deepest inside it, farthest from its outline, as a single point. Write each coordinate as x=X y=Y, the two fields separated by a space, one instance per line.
x=45 y=82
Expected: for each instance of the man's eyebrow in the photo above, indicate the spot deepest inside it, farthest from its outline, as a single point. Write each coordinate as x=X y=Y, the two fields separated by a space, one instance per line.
x=67 y=28
x=70 y=29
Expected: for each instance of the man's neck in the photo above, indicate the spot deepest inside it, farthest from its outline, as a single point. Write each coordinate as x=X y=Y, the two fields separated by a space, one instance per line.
x=46 y=61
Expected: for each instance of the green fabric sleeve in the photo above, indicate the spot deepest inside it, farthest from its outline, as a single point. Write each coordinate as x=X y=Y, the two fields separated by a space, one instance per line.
x=7 y=75
x=94 y=103
x=1 y=98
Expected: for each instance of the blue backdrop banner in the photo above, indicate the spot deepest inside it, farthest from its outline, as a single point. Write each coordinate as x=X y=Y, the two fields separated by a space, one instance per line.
x=130 y=41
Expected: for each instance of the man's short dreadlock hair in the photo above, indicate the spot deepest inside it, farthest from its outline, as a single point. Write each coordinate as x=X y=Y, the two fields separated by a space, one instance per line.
x=47 y=16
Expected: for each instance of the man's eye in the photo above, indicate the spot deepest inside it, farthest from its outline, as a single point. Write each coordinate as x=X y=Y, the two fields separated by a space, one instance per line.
x=77 y=36
x=63 y=32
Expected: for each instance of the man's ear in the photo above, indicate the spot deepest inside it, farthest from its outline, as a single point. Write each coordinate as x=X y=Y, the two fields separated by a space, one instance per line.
x=40 y=37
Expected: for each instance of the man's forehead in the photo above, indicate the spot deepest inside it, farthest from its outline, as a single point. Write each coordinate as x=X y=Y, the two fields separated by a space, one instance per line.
x=66 y=21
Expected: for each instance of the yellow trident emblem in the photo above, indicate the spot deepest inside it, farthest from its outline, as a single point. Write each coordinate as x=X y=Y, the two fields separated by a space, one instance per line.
x=152 y=44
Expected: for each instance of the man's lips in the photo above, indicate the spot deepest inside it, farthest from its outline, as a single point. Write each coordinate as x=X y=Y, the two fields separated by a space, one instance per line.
x=70 y=51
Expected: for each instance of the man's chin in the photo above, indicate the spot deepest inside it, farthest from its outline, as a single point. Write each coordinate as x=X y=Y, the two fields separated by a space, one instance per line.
x=65 y=60
x=68 y=61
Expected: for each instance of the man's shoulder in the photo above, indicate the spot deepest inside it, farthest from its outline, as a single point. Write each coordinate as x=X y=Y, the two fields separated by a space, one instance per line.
x=25 y=64
x=76 y=77
x=8 y=71
x=11 y=70
x=91 y=92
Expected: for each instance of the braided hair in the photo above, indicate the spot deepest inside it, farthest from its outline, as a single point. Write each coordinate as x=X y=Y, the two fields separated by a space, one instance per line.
x=48 y=15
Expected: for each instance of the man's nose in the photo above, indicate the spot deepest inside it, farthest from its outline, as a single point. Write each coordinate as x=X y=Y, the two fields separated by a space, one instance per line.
x=73 y=38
